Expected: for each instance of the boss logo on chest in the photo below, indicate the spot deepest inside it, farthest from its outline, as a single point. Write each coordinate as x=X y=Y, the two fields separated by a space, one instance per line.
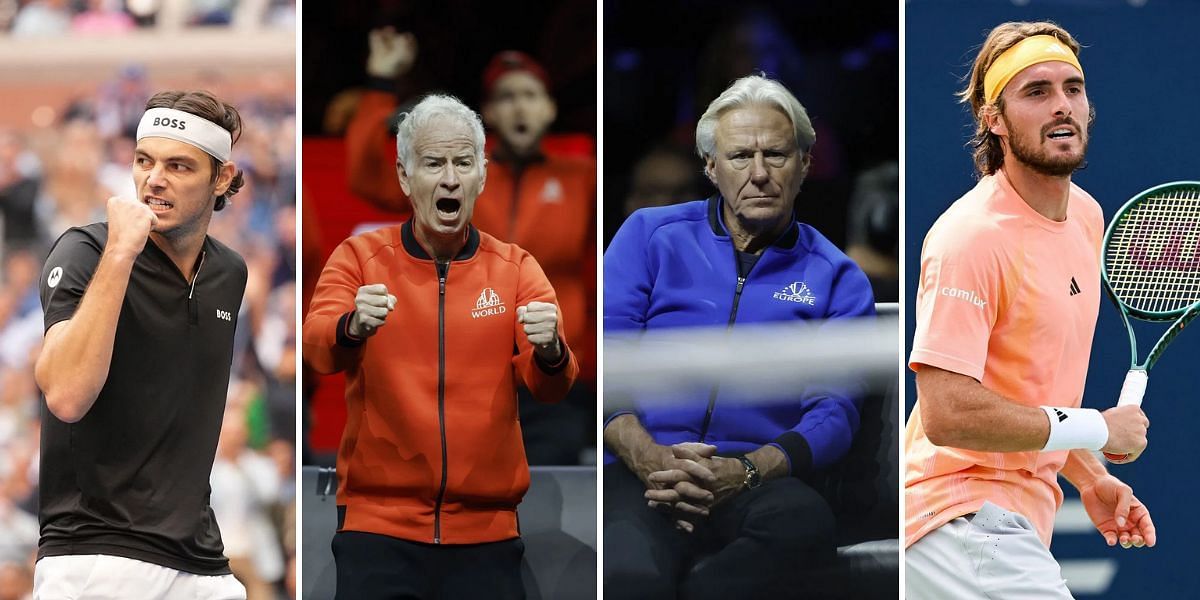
x=224 y=315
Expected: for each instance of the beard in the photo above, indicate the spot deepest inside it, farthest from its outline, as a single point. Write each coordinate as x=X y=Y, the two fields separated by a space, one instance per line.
x=1032 y=154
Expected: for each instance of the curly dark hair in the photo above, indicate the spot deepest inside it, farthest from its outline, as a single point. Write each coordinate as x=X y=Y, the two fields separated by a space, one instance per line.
x=206 y=106
x=987 y=150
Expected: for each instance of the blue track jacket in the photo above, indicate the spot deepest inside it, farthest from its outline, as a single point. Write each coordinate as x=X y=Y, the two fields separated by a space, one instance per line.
x=675 y=266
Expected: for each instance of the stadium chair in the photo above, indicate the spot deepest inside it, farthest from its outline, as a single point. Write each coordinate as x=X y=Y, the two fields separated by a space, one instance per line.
x=862 y=490
x=558 y=525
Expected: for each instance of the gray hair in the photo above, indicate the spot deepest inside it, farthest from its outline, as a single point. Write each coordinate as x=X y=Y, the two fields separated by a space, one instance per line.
x=428 y=110
x=748 y=91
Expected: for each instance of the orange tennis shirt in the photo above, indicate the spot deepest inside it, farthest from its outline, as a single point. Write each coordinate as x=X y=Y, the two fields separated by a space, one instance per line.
x=1010 y=298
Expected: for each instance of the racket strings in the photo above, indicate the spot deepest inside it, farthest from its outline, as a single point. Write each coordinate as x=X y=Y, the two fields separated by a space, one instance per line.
x=1153 y=256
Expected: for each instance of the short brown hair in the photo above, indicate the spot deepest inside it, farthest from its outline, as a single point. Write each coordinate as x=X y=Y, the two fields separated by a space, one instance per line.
x=206 y=106
x=988 y=152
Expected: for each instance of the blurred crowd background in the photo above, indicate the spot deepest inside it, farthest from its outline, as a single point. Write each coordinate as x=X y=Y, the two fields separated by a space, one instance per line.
x=664 y=62
x=352 y=93
x=67 y=124
x=23 y=18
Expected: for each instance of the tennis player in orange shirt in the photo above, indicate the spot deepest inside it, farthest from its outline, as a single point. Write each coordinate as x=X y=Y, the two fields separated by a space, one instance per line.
x=1006 y=308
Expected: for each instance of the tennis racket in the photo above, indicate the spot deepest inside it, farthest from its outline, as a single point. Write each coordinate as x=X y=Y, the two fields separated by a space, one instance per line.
x=1151 y=271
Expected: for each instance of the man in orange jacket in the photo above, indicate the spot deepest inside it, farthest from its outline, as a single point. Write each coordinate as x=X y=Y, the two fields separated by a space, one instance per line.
x=544 y=202
x=433 y=321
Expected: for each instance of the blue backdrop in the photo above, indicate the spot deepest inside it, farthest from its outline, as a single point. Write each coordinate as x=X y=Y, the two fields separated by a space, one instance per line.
x=1140 y=61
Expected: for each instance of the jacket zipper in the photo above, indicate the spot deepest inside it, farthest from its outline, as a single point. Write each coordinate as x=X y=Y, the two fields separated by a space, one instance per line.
x=193 y=306
x=443 y=272
x=712 y=396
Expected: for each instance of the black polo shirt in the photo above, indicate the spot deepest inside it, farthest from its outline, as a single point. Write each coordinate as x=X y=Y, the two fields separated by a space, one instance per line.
x=131 y=477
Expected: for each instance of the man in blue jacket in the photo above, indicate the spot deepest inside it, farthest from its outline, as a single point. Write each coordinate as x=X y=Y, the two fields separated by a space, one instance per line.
x=707 y=498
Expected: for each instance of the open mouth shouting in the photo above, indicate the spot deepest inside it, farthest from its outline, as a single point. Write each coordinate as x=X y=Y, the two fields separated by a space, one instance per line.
x=448 y=209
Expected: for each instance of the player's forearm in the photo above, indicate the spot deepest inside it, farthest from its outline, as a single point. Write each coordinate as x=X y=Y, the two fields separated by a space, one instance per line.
x=371 y=173
x=957 y=411
x=626 y=437
x=75 y=358
x=1083 y=468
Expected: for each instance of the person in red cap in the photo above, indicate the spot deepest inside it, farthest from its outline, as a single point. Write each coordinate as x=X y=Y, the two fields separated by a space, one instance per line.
x=543 y=202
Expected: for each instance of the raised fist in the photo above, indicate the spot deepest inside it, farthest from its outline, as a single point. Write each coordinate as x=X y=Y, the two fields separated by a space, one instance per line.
x=392 y=54
x=371 y=307
x=541 y=329
x=129 y=224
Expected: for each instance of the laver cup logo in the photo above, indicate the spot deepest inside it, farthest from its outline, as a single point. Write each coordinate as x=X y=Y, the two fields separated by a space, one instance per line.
x=488 y=304
x=179 y=124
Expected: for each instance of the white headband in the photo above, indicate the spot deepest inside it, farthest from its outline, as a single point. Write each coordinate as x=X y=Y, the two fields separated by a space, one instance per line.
x=187 y=128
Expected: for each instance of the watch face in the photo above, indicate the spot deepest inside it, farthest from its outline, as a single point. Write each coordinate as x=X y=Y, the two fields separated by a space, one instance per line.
x=753 y=478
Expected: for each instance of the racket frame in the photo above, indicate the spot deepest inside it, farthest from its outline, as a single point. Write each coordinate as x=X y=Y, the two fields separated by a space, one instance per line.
x=1182 y=316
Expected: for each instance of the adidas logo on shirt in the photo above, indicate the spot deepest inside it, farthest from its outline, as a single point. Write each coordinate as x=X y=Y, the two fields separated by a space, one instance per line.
x=1074 y=287
x=1062 y=416
x=488 y=304
x=796 y=292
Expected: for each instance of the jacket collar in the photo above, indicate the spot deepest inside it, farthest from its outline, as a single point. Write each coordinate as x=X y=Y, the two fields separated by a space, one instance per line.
x=414 y=248
x=786 y=241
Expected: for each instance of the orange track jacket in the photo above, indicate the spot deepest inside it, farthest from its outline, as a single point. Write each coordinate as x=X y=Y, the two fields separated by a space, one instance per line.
x=548 y=208
x=432 y=448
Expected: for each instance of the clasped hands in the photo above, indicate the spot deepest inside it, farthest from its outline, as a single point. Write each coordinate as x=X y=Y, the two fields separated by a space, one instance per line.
x=688 y=479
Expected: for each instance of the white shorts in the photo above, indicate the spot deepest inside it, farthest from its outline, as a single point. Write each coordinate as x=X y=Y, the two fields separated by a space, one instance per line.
x=104 y=577
x=994 y=554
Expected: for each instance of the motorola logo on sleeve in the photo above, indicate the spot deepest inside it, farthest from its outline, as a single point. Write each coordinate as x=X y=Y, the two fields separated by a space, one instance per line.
x=55 y=277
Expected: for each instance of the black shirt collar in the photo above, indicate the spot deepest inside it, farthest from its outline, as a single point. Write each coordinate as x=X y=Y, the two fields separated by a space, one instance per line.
x=786 y=241
x=414 y=248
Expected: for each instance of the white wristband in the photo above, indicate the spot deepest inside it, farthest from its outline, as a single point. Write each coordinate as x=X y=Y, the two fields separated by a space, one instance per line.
x=1072 y=428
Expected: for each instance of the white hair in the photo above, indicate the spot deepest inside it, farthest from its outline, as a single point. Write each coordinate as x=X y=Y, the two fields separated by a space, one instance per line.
x=432 y=108
x=748 y=91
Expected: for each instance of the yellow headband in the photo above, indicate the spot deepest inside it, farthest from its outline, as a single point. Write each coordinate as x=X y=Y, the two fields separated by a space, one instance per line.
x=1026 y=53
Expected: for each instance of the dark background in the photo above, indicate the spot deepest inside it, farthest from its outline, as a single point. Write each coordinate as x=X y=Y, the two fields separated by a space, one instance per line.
x=1139 y=63
x=456 y=38
x=665 y=61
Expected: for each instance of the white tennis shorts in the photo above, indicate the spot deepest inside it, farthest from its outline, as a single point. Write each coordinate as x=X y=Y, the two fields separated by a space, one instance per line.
x=104 y=577
x=994 y=554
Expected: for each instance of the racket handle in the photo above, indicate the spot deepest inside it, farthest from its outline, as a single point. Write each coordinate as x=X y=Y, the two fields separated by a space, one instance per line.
x=1134 y=387
x=1132 y=392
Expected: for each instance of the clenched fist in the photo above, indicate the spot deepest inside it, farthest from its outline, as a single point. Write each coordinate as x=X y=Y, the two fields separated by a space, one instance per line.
x=541 y=329
x=129 y=225
x=371 y=307
x=1127 y=427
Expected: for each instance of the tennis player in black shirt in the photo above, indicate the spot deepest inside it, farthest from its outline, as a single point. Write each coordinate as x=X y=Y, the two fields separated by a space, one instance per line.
x=139 y=317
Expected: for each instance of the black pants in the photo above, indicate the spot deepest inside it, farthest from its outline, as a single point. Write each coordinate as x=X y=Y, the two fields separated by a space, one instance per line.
x=378 y=567
x=757 y=544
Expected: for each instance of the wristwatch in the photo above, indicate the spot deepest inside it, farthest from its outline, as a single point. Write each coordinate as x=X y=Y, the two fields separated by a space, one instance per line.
x=753 y=478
